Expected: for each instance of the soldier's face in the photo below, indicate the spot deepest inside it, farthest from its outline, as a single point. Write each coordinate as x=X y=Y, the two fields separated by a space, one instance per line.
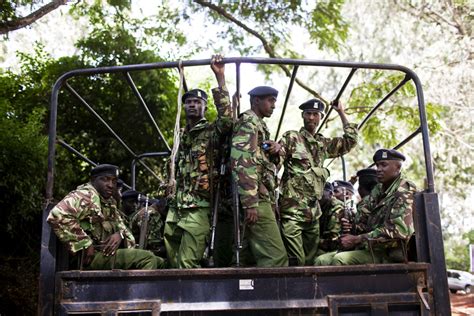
x=194 y=107
x=105 y=185
x=340 y=193
x=311 y=119
x=264 y=106
x=387 y=170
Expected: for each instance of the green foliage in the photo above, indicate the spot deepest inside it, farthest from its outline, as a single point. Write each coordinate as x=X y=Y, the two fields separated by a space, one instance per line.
x=273 y=20
x=457 y=253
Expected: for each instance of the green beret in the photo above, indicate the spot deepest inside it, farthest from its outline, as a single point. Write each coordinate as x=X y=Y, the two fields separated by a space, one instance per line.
x=262 y=91
x=195 y=93
x=105 y=170
x=388 y=154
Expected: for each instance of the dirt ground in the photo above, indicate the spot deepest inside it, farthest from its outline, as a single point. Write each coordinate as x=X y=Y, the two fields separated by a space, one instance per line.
x=462 y=304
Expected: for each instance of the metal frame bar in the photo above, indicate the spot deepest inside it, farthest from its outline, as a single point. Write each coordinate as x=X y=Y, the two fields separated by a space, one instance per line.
x=75 y=152
x=147 y=110
x=117 y=137
x=339 y=94
x=145 y=155
x=290 y=87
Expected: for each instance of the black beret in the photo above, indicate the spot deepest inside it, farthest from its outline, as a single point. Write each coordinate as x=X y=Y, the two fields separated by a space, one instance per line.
x=343 y=184
x=367 y=173
x=263 y=91
x=328 y=187
x=130 y=194
x=388 y=154
x=313 y=104
x=105 y=170
x=196 y=93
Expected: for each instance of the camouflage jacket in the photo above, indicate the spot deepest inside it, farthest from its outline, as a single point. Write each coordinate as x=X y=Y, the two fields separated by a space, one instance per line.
x=304 y=176
x=330 y=224
x=389 y=214
x=155 y=227
x=251 y=165
x=197 y=158
x=84 y=218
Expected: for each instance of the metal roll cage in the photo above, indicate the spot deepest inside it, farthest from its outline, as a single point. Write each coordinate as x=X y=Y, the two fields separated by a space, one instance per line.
x=48 y=261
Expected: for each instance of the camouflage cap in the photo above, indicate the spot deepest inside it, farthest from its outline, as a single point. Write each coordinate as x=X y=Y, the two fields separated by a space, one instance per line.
x=196 y=93
x=343 y=184
x=262 y=91
x=313 y=104
x=388 y=154
x=105 y=170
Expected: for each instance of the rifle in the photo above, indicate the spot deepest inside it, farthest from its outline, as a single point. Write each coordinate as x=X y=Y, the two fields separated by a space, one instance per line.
x=144 y=225
x=348 y=214
x=234 y=184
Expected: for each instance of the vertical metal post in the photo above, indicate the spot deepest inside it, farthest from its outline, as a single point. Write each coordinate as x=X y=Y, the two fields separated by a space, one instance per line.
x=287 y=97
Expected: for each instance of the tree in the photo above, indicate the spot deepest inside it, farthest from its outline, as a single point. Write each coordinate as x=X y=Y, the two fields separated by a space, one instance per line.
x=9 y=21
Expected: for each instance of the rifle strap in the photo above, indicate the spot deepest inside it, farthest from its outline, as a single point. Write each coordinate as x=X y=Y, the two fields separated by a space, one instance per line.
x=177 y=134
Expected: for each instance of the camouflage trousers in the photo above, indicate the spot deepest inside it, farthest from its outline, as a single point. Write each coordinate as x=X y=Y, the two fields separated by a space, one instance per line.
x=127 y=259
x=262 y=243
x=324 y=259
x=186 y=234
x=301 y=240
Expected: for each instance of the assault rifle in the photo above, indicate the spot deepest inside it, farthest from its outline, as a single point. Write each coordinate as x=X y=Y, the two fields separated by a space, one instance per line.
x=144 y=225
x=348 y=214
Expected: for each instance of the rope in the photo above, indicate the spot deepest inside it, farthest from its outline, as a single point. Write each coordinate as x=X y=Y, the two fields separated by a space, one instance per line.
x=176 y=136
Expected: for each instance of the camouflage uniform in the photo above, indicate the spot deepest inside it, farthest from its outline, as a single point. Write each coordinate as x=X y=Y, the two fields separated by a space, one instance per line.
x=302 y=186
x=389 y=215
x=83 y=218
x=187 y=223
x=256 y=178
x=154 y=236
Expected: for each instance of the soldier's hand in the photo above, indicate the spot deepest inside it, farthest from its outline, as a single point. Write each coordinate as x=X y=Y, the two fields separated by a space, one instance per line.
x=218 y=68
x=349 y=241
x=251 y=216
x=274 y=147
x=89 y=255
x=111 y=244
x=337 y=106
x=346 y=225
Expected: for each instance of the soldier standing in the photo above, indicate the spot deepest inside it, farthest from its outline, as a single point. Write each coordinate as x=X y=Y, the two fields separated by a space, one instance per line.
x=390 y=216
x=88 y=219
x=187 y=223
x=303 y=153
x=254 y=170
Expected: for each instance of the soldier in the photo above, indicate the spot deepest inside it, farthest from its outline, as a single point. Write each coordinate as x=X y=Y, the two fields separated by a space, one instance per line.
x=129 y=205
x=367 y=181
x=254 y=170
x=154 y=230
x=303 y=153
x=390 y=216
x=88 y=219
x=343 y=190
x=187 y=223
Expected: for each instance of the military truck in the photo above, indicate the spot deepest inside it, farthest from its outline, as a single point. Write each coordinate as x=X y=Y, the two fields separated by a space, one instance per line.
x=416 y=287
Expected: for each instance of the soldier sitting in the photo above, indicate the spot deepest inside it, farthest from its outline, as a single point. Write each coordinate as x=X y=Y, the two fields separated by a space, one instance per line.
x=329 y=226
x=389 y=220
x=88 y=219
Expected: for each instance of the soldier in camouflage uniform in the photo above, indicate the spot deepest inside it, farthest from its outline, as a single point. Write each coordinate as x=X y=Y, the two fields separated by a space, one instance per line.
x=88 y=219
x=388 y=216
x=329 y=226
x=154 y=234
x=254 y=170
x=303 y=153
x=187 y=223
